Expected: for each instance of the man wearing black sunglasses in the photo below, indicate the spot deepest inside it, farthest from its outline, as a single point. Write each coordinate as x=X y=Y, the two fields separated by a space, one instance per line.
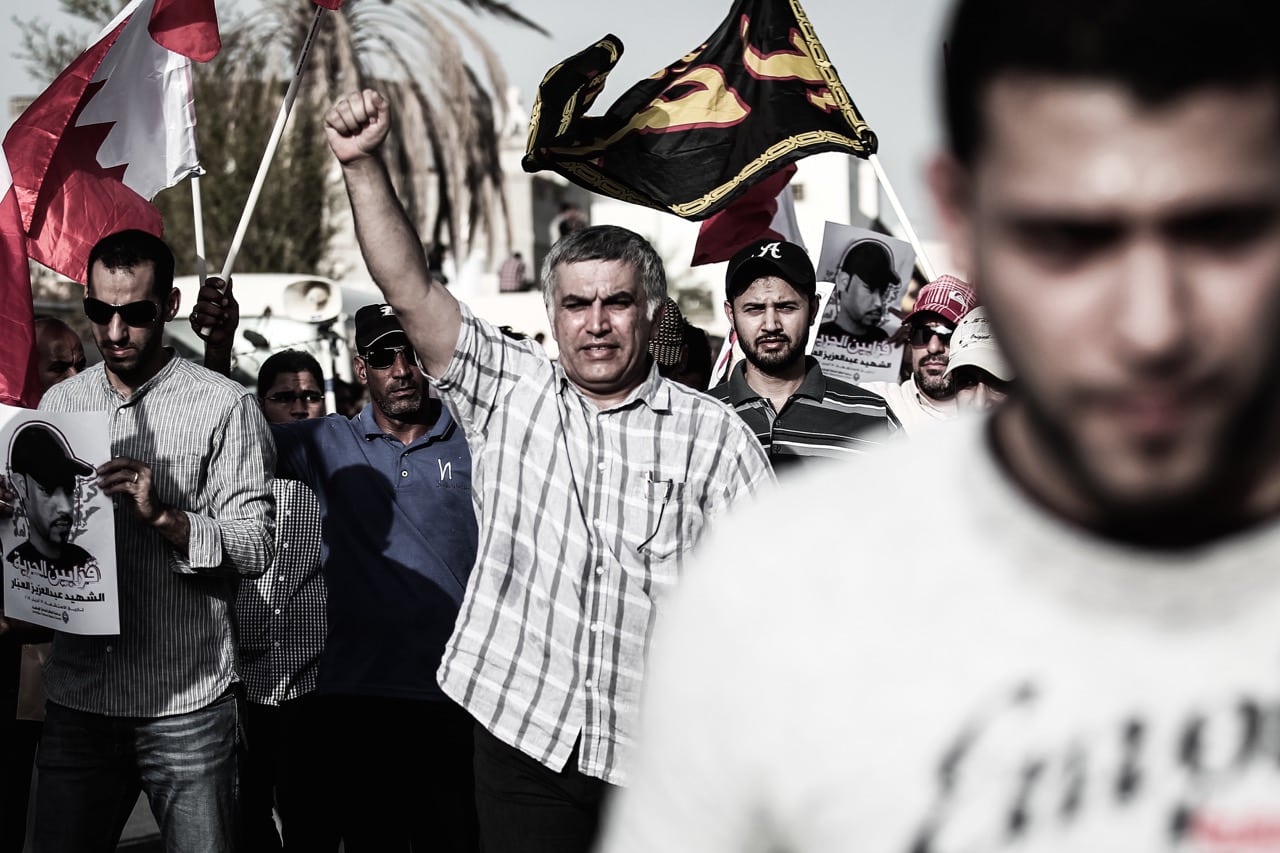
x=394 y=490
x=928 y=394
x=193 y=514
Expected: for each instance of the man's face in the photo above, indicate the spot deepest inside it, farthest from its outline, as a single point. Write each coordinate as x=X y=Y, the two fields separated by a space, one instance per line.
x=50 y=510
x=130 y=352
x=1129 y=258
x=397 y=389
x=60 y=355
x=772 y=321
x=930 y=347
x=862 y=305
x=978 y=390
x=293 y=397
x=601 y=324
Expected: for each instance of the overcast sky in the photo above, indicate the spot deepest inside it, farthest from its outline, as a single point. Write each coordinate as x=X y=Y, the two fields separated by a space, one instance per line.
x=886 y=52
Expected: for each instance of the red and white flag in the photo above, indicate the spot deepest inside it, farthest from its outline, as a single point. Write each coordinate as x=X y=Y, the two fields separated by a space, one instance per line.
x=18 y=381
x=115 y=128
x=765 y=210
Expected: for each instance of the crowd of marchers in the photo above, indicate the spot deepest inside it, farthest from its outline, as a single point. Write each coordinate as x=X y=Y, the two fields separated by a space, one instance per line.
x=525 y=603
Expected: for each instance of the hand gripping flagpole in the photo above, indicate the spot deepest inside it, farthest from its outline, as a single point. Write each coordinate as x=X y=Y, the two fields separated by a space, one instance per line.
x=276 y=132
x=901 y=214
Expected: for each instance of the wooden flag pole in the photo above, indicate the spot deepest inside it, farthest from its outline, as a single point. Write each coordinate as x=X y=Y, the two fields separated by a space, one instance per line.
x=883 y=177
x=276 y=132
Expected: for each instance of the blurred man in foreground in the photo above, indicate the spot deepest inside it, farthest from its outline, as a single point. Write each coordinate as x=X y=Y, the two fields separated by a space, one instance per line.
x=1091 y=663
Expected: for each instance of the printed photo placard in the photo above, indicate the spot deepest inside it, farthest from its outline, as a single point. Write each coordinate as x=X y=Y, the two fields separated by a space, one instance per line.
x=869 y=273
x=57 y=535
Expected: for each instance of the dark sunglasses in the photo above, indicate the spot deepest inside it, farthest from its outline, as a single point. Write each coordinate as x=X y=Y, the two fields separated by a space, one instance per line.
x=291 y=397
x=921 y=334
x=140 y=313
x=384 y=357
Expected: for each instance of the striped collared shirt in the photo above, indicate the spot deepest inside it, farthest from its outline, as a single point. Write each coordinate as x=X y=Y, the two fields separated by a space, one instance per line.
x=210 y=455
x=823 y=418
x=280 y=616
x=586 y=520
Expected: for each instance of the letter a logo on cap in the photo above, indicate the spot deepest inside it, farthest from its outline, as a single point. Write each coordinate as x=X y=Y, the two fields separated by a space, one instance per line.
x=773 y=250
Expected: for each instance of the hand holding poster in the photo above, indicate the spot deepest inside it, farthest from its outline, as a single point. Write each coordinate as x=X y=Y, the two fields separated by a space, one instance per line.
x=870 y=272
x=58 y=531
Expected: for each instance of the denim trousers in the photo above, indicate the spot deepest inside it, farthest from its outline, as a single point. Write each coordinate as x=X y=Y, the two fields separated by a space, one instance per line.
x=91 y=768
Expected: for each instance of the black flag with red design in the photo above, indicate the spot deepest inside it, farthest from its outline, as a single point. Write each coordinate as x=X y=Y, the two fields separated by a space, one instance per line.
x=759 y=94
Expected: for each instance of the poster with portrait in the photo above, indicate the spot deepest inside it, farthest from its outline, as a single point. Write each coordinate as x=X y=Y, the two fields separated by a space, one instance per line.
x=57 y=530
x=869 y=273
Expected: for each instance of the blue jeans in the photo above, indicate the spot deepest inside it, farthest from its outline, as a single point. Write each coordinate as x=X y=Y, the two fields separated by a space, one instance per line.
x=91 y=768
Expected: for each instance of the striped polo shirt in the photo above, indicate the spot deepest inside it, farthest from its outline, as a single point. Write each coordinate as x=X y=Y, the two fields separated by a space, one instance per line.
x=823 y=418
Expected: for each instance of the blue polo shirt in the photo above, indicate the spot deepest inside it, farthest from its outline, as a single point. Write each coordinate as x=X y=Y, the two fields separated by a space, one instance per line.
x=398 y=543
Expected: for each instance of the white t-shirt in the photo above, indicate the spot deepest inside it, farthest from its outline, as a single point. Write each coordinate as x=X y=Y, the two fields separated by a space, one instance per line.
x=972 y=675
x=914 y=410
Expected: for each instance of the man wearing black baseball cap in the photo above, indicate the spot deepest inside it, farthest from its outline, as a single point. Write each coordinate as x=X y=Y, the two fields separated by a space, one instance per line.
x=394 y=488
x=795 y=411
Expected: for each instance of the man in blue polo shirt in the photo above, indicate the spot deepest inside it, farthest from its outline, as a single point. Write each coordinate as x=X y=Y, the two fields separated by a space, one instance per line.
x=399 y=540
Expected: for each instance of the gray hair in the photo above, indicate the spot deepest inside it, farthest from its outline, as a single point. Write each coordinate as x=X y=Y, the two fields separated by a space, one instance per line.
x=608 y=243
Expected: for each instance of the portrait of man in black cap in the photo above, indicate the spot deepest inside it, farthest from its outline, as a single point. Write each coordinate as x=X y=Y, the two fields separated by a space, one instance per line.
x=869 y=272
x=866 y=286
x=45 y=472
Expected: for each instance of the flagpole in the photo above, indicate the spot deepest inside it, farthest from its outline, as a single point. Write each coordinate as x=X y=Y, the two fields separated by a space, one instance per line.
x=921 y=256
x=276 y=132
x=197 y=220
x=720 y=369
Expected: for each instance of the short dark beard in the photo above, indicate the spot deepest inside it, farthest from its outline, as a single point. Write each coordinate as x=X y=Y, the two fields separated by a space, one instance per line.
x=938 y=388
x=398 y=408
x=770 y=364
x=1176 y=522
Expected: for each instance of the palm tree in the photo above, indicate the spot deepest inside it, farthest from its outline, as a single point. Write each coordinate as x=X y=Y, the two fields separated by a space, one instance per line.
x=443 y=151
x=446 y=87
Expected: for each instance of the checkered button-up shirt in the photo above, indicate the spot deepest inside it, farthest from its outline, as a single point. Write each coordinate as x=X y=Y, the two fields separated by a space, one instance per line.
x=586 y=520
x=281 y=615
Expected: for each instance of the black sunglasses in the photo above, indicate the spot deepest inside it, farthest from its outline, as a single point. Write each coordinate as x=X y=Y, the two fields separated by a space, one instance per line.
x=292 y=397
x=140 y=313
x=921 y=334
x=383 y=357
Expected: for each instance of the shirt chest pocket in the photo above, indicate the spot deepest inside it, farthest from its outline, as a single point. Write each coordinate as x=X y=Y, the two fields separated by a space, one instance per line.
x=177 y=479
x=657 y=521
